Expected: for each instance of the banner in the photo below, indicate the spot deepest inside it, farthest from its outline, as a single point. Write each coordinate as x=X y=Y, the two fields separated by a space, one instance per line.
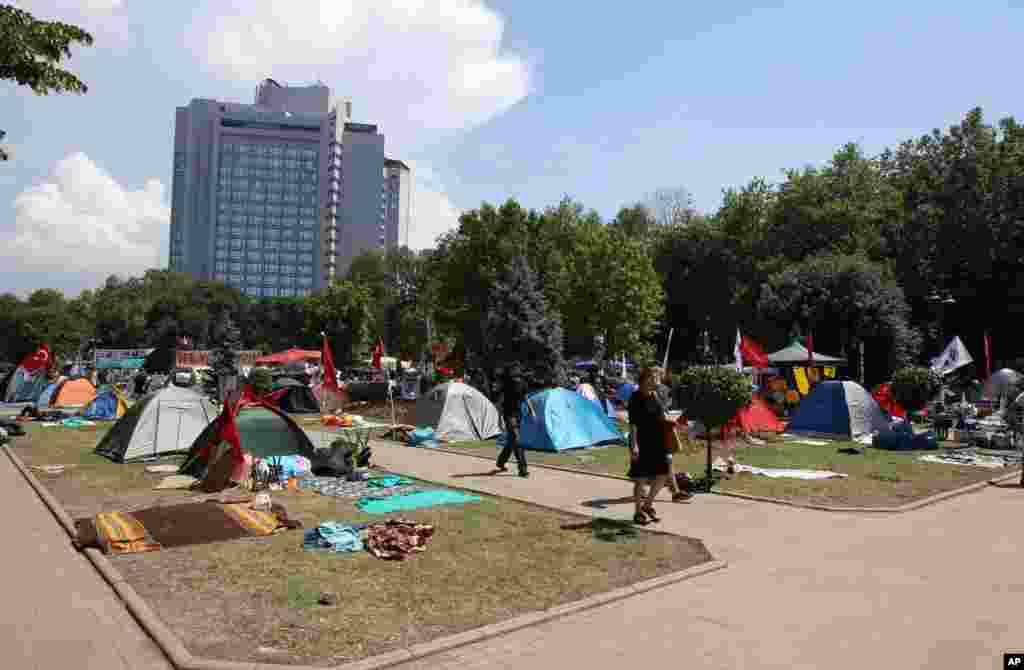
x=201 y=359
x=111 y=358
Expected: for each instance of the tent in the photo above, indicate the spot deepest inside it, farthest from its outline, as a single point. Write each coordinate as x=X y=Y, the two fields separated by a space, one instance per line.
x=110 y=404
x=46 y=396
x=263 y=431
x=22 y=386
x=163 y=422
x=1002 y=383
x=458 y=412
x=797 y=354
x=563 y=419
x=294 y=397
x=73 y=393
x=625 y=392
x=838 y=410
x=883 y=397
x=757 y=417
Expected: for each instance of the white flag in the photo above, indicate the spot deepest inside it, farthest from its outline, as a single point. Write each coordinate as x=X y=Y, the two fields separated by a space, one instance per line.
x=953 y=357
x=737 y=352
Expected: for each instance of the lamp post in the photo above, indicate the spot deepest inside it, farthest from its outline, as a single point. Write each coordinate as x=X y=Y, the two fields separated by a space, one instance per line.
x=939 y=302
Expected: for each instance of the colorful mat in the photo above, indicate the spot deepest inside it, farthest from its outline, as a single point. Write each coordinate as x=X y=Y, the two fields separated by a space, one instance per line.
x=254 y=521
x=401 y=503
x=121 y=533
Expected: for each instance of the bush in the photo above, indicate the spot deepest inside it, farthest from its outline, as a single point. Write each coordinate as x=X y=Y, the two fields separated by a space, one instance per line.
x=912 y=388
x=261 y=381
x=713 y=395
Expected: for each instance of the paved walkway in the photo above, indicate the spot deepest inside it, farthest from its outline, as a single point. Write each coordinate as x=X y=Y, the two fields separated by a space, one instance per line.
x=939 y=587
x=56 y=611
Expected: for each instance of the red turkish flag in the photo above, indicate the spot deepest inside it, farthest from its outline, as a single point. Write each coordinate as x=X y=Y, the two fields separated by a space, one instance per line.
x=40 y=360
x=753 y=353
x=378 y=354
x=330 y=374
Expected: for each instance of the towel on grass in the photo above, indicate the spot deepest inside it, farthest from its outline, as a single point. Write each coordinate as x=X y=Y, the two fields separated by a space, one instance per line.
x=387 y=482
x=780 y=473
x=402 y=503
x=121 y=533
x=335 y=536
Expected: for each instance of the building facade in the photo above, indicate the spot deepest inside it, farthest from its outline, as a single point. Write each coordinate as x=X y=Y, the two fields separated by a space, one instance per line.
x=397 y=203
x=277 y=197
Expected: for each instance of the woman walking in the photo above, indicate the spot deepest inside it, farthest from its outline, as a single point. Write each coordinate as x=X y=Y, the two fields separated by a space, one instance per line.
x=649 y=461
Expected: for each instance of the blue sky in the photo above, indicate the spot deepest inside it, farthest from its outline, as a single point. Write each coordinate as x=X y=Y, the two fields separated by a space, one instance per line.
x=487 y=101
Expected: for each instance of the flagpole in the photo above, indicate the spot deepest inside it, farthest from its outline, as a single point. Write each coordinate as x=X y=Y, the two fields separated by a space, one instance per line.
x=664 y=363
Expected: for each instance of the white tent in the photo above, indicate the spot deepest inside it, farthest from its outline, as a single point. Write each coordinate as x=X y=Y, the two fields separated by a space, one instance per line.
x=166 y=421
x=458 y=413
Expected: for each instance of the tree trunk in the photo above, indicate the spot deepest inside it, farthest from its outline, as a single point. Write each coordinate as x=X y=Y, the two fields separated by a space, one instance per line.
x=707 y=474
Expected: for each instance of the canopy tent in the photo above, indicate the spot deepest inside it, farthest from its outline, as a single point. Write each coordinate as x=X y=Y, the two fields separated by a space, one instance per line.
x=797 y=354
x=73 y=393
x=110 y=404
x=289 y=356
x=559 y=419
x=838 y=410
x=164 y=422
x=458 y=412
x=22 y=385
x=263 y=431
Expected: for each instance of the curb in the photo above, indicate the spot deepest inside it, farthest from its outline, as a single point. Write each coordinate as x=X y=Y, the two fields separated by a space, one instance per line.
x=916 y=504
x=182 y=659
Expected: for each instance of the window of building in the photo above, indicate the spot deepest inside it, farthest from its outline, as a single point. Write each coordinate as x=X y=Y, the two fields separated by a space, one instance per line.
x=236 y=244
x=305 y=281
x=221 y=243
x=270 y=257
x=219 y=276
x=270 y=292
x=221 y=253
x=221 y=266
x=287 y=281
x=307 y=235
x=235 y=278
x=273 y=268
x=288 y=258
x=305 y=270
x=270 y=280
x=305 y=246
x=306 y=258
x=253 y=291
x=254 y=268
x=289 y=245
x=244 y=148
x=236 y=255
x=237 y=267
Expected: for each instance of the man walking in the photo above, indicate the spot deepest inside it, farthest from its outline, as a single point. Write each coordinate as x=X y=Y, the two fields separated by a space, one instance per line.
x=513 y=393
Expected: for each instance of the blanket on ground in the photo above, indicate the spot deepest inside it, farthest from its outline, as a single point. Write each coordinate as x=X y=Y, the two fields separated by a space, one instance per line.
x=783 y=473
x=403 y=503
x=254 y=521
x=975 y=460
x=335 y=536
x=120 y=533
x=341 y=488
x=397 y=539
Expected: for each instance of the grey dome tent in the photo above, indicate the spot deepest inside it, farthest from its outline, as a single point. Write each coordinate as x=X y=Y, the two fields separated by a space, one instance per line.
x=796 y=354
x=164 y=422
x=458 y=412
x=1002 y=384
x=296 y=398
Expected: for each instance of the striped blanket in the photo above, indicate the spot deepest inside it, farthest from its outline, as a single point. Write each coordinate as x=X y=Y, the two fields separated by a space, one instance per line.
x=254 y=521
x=122 y=533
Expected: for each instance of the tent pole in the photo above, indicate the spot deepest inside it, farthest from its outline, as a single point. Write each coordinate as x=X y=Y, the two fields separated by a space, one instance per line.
x=668 y=345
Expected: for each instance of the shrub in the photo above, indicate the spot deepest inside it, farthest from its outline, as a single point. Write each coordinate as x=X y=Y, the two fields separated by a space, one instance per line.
x=712 y=395
x=261 y=381
x=912 y=388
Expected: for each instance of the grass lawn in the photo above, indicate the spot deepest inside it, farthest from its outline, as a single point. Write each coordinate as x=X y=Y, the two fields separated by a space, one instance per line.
x=877 y=478
x=488 y=561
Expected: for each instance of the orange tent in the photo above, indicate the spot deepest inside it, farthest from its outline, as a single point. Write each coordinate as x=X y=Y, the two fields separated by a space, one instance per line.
x=757 y=417
x=73 y=393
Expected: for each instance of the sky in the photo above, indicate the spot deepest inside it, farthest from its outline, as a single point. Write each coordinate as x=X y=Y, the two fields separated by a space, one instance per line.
x=486 y=101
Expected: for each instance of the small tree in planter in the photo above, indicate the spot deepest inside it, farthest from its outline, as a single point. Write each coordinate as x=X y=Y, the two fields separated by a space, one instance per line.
x=912 y=388
x=261 y=381
x=712 y=395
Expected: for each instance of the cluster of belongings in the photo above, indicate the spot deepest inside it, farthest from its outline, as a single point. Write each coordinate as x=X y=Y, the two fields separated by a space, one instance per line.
x=395 y=539
x=901 y=437
x=373 y=487
x=778 y=473
x=30 y=413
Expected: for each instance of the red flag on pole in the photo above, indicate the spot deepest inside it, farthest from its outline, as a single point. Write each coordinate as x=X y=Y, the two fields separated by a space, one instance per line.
x=988 y=356
x=330 y=374
x=378 y=354
x=38 y=361
x=753 y=353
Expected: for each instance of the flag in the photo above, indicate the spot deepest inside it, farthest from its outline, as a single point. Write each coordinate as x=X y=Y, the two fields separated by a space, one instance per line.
x=378 y=354
x=330 y=374
x=953 y=357
x=737 y=351
x=810 y=349
x=988 y=356
x=40 y=360
x=753 y=354
x=184 y=342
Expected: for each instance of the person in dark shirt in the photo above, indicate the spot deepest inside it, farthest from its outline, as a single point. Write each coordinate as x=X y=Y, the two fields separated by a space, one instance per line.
x=650 y=463
x=513 y=393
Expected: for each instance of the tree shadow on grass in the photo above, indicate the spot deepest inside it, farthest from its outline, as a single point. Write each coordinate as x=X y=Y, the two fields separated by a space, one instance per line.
x=605 y=530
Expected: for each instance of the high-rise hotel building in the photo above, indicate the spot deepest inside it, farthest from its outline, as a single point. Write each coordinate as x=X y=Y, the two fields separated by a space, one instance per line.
x=276 y=198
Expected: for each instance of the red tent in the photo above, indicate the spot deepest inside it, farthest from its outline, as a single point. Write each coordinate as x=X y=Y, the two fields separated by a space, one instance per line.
x=757 y=417
x=885 y=400
x=290 y=356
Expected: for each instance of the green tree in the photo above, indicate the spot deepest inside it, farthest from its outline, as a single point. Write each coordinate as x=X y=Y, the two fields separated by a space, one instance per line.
x=712 y=395
x=342 y=310
x=912 y=388
x=261 y=381
x=842 y=300
x=31 y=52
x=522 y=335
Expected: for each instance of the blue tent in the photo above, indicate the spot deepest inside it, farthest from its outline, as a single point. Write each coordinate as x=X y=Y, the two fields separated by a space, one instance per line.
x=625 y=392
x=838 y=410
x=44 y=398
x=564 y=419
x=103 y=408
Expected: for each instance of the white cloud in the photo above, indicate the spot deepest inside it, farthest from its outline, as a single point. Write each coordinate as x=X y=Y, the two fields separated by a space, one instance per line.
x=432 y=211
x=82 y=223
x=417 y=68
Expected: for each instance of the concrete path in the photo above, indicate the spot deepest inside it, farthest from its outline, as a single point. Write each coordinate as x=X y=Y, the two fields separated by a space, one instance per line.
x=56 y=611
x=939 y=587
